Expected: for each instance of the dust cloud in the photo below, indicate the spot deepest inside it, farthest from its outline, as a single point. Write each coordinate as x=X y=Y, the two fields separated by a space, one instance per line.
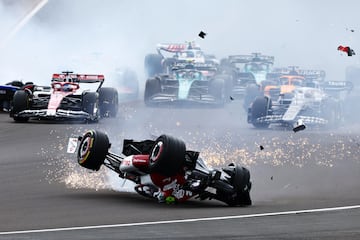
x=99 y=36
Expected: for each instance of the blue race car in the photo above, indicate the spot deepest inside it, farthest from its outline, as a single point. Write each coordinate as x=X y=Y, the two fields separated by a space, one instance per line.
x=7 y=92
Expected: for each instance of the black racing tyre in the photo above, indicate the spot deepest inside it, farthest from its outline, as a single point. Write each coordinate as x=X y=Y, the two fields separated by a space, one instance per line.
x=217 y=90
x=153 y=64
x=167 y=156
x=108 y=102
x=93 y=148
x=152 y=87
x=260 y=108
x=20 y=102
x=242 y=185
x=90 y=104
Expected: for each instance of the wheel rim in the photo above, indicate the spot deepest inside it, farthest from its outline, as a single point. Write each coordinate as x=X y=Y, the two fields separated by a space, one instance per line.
x=84 y=149
x=156 y=152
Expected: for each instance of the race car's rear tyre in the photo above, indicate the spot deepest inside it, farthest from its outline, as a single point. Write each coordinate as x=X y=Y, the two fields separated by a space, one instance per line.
x=152 y=87
x=153 y=65
x=242 y=184
x=167 y=156
x=260 y=108
x=108 y=102
x=217 y=89
x=21 y=102
x=90 y=104
x=93 y=148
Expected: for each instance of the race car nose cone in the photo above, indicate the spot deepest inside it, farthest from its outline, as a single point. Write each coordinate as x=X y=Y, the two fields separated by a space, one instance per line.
x=299 y=126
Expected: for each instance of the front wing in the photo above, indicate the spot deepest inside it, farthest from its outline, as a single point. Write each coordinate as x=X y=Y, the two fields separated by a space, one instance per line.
x=279 y=119
x=163 y=98
x=54 y=114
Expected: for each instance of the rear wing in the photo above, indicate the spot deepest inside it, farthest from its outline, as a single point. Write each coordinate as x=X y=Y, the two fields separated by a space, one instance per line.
x=309 y=74
x=254 y=57
x=176 y=47
x=79 y=78
x=337 y=86
x=196 y=66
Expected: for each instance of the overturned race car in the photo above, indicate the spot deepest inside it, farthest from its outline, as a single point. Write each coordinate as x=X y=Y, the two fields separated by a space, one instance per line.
x=165 y=170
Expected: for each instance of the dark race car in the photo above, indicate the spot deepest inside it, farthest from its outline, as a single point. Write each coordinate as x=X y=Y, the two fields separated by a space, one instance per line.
x=71 y=96
x=247 y=70
x=165 y=170
x=188 y=83
x=7 y=92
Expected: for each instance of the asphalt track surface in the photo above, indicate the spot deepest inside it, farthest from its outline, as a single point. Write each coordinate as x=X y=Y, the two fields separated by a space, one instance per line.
x=301 y=181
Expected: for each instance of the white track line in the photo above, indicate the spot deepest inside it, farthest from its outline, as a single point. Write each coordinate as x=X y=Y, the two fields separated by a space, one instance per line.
x=183 y=220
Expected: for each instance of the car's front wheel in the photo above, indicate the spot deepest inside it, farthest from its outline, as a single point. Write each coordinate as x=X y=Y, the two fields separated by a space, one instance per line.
x=93 y=148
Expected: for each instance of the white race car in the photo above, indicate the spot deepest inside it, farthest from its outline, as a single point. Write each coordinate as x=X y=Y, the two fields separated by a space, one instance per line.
x=322 y=106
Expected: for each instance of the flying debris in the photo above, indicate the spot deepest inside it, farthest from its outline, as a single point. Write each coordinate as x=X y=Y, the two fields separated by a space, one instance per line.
x=202 y=34
x=347 y=50
x=299 y=126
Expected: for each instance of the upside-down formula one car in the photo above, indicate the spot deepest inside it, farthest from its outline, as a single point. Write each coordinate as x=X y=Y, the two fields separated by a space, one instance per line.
x=165 y=170
x=71 y=97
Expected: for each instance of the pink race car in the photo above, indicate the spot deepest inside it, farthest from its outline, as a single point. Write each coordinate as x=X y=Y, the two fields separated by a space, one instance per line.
x=71 y=96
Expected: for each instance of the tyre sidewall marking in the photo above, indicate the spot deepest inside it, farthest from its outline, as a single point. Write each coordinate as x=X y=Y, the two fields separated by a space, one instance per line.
x=158 y=149
x=85 y=154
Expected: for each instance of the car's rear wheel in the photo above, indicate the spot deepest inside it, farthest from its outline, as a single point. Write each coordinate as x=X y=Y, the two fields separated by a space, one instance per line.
x=167 y=156
x=240 y=180
x=90 y=105
x=242 y=185
x=108 y=102
x=93 y=148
